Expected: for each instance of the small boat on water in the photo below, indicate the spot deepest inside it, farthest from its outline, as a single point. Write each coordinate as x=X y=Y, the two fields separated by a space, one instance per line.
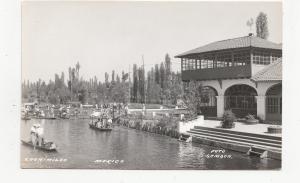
x=99 y=128
x=185 y=138
x=24 y=115
x=64 y=116
x=26 y=118
x=47 y=146
x=37 y=140
x=49 y=118
x=101 y=122
x=40 y=117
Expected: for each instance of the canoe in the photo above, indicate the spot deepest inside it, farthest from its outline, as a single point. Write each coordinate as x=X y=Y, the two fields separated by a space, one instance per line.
x=48 y=146
x=100 y=129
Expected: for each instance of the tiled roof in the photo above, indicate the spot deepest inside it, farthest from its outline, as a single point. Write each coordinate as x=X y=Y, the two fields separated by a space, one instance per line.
x=272 y=72
x=241 y=42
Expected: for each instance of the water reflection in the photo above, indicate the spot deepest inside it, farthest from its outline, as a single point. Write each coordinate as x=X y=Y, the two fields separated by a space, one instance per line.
x=82 y=146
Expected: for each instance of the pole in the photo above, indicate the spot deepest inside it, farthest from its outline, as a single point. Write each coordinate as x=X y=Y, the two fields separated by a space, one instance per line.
x=113 y=113
x=129 y=94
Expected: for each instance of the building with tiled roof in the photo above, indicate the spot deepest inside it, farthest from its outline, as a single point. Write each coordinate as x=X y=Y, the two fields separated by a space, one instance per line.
x=240 y=42
x=243 y=74
x=272 y=72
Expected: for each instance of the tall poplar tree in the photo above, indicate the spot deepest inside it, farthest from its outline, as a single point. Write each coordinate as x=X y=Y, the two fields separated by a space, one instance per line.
x=262 y=30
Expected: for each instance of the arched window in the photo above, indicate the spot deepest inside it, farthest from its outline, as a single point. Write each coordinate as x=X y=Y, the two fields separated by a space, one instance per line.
x=208 y=104
x=208 y=96
x=274 y=103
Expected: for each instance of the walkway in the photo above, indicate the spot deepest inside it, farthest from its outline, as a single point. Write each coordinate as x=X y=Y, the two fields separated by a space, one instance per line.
x=241 y=127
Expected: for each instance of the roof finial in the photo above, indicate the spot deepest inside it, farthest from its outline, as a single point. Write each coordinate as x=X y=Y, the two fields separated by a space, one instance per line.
x=250 y=22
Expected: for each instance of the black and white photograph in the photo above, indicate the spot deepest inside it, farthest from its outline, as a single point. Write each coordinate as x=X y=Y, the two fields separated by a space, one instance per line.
x=151 y=85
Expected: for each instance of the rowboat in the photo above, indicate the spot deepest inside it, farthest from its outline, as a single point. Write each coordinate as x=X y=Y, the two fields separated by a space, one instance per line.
x=99 y=128
x=48 y=146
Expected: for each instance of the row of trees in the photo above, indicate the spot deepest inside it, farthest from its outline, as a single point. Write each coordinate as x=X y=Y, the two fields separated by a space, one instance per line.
x=159 y=85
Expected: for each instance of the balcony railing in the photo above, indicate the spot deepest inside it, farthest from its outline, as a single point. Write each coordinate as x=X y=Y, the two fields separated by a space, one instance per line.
x=217 y=73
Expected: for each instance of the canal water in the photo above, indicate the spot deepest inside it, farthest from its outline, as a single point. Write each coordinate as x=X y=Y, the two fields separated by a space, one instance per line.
x=124 y=148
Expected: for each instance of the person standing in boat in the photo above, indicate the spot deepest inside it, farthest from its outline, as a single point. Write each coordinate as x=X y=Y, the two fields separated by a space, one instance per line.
x=33 y=135
x=37 y=135
x=98 y=123
x=109 y=122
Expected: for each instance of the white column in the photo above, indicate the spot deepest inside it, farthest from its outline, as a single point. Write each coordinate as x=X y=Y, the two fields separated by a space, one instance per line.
x=220 y=106
x=261 y=106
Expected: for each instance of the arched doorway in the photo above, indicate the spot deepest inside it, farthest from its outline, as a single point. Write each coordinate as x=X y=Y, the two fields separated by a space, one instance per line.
x=208 y=101
x=274 y=103
x=241 y=100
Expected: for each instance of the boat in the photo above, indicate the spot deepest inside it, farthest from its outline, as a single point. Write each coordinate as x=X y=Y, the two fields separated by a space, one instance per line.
x=24 y=115
x=100 y=118
x=64 y=115
x=49 y=118
x=26 y=118
x=47 y=146
x=185 y=138
x=99 y=128
x=41 y=117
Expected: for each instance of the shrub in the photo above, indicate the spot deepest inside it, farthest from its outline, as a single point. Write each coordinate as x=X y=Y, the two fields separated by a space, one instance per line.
x=228 y=119
x=137 y=125
x=161 y=123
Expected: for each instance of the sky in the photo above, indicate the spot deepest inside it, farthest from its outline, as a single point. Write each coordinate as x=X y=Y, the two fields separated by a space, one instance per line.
x=106 y=36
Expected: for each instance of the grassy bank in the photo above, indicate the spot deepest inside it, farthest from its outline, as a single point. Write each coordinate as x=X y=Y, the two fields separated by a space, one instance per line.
x=159 y=124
